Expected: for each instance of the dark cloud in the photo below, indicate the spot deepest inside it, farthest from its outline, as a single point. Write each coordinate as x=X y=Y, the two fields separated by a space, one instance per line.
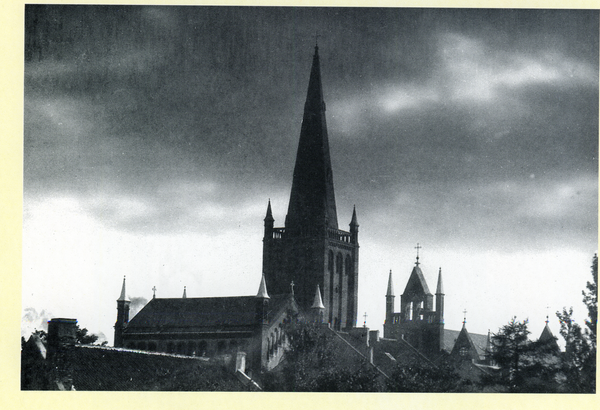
x=125 y=103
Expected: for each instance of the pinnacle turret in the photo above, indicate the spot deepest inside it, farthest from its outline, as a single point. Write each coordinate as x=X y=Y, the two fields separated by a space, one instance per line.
x=318 y=302
x=269 y=216
x=390 y=287
x=354 y=221
x=123 y=296
x=440 y=286
x=262 y=289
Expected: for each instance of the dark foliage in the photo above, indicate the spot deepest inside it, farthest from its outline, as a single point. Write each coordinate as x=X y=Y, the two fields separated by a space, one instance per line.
x=578 y=364
x=590 y=298
x=421 y=377
x=525 y=366
x=84 y=338
x=316 y=362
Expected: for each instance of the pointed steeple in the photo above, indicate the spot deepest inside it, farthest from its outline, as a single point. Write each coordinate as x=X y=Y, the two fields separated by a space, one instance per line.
x=312 y=199
x=262 y=289
x=440 y=286
x=318 y=302
x=122 y=316
x=548 y=338
x=389 y=301
x=354 y=221
x=123 y=296
x=184 y=293
x=269 y=216
x=390 y=288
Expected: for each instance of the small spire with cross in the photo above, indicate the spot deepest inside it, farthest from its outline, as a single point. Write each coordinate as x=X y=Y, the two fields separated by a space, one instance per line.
x=292 y=287
x=464 y=317
x=417 y=248
x=547 y=316
x=365 y=317
x=153 y=292
x=317 y=35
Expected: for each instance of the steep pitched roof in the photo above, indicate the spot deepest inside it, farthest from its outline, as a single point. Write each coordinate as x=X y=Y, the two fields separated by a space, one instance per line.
x=451 y=336
x=464 y=340
x=548 y=338
x=416 y=283
x=201 y=314
x=312 y=199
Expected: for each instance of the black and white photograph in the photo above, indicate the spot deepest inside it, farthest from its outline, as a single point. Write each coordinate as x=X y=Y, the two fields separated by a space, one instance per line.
x=309 y=199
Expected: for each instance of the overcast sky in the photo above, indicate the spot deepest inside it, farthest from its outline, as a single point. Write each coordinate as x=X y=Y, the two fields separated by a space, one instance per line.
x=154 y=137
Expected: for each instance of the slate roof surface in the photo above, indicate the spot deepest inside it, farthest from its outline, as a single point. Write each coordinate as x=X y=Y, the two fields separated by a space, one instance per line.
x=233 y=313
x=97 y=368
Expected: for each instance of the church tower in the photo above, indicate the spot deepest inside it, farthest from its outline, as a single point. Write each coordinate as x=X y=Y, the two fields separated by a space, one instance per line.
x=122 y=316
x=310 y=250
x=417 y=322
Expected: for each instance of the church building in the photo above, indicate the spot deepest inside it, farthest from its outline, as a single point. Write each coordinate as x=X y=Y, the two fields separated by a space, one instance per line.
x=311 y=250
x=309 y=254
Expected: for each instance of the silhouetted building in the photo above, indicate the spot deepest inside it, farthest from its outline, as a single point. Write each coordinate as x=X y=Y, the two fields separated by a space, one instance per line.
x=311 y=250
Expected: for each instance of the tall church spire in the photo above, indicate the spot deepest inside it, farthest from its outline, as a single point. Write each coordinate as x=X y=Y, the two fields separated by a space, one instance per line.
x=312 y=199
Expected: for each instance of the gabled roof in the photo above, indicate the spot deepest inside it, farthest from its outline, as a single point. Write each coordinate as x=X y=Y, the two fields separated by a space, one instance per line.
x=416 y=283
x=201 y=314
x=451 y=336
x=464 y=341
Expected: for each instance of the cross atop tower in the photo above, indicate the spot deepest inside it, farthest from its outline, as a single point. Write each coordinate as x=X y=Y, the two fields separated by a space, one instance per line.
x=153 y=292
x=465 y=317
x=417 y=248
x=317 y=35
x=365 y=317
x=292 y=287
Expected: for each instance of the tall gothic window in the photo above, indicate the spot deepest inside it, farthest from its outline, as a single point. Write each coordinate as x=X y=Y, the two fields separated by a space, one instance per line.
x=350 y=273
x=331 y=286
x=339 y=286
